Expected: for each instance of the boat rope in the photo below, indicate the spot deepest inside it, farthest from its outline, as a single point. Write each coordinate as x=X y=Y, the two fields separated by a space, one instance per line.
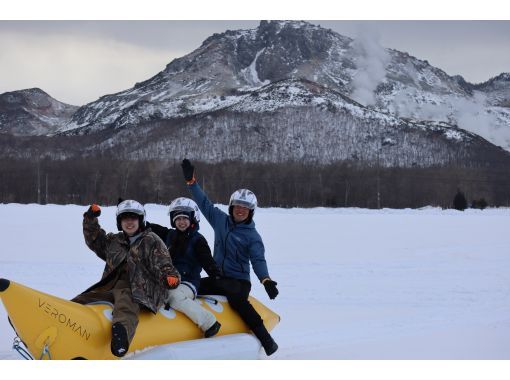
x=23 y=353
x=45 y=351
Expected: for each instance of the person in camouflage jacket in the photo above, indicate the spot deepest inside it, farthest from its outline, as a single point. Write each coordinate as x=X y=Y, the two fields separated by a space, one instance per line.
x=138 y=270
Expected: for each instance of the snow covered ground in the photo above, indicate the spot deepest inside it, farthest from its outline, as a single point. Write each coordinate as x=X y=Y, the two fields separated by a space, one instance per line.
x=354 y=283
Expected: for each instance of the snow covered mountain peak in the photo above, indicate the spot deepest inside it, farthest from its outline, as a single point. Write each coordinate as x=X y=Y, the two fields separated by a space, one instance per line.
x=503 y=77
x=301 y=78
x=230 y=65
x=32 y=112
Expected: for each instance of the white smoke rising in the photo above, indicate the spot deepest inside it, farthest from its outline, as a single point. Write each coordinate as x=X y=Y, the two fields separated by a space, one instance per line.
x=411 y=103
x=472 y=114
x=476 y=116
x=371 y=63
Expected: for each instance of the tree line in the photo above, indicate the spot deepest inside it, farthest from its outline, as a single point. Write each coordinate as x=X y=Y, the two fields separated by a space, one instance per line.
x=292 y=184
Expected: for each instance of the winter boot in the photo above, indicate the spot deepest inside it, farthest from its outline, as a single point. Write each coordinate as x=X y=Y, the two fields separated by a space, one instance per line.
x=266 y=340
x=120 y=343
x=213 y=330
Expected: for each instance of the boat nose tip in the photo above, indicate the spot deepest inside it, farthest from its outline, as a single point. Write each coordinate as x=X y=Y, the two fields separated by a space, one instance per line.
x=4 y=284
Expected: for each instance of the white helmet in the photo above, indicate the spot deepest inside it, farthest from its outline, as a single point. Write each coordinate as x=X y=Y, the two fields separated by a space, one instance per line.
x=131 y=207
x=245 y=198
x=184 y=207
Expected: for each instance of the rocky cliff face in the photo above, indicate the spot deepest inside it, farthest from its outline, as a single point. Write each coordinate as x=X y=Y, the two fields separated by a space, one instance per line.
x=32 y=112
x=497 y=90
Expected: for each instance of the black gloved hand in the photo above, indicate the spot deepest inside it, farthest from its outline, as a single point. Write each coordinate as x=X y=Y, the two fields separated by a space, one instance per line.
x=271 y=289
x=93 y=212
x=188 y=170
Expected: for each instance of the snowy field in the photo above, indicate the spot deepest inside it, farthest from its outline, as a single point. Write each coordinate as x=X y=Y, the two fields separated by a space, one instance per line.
x=354 y=283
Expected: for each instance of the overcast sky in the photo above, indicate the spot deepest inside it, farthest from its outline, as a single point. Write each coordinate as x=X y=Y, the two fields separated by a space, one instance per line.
x=78 y=61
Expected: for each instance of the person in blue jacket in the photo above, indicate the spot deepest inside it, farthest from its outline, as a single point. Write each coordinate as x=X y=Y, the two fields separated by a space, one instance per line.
x=190 y=253
x=236 y=244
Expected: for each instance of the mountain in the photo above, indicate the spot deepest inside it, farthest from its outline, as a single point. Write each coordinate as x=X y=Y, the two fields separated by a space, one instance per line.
x=237 y=62
x=32 y=112
x=296 y=120
x=290 y=90
x=497 y=90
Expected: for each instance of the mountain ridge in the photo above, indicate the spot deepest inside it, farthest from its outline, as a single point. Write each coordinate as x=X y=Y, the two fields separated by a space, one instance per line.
x=296 y=68
x=32 y=112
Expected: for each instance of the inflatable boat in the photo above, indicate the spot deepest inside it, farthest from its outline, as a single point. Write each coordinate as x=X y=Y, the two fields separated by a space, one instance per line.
x=54 y=328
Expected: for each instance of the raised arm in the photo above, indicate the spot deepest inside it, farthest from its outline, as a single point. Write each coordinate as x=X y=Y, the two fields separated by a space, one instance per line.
x=213 y=214
x=95 y=237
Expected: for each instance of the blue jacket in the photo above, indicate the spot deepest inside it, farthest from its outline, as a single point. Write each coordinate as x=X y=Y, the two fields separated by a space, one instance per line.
x=235 y=245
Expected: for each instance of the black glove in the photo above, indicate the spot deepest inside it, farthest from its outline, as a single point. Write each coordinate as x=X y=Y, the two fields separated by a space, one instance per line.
x=93 y=212
x=271 y=290
x=188 y=170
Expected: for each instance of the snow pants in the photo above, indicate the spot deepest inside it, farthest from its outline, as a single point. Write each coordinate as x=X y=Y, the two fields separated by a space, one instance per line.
x=182 y=299
x=125 y=310
x=237 y=292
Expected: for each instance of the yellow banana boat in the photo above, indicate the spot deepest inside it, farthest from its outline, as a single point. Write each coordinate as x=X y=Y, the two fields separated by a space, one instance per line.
x=54 y=328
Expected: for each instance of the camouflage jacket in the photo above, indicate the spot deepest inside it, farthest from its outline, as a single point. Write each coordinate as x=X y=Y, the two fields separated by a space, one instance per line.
x=148 y=261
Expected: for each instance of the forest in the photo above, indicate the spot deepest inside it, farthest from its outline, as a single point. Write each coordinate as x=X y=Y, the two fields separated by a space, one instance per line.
x=290 y=184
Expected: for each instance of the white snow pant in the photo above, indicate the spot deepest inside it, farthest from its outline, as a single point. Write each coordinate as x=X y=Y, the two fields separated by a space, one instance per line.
x=182 y=299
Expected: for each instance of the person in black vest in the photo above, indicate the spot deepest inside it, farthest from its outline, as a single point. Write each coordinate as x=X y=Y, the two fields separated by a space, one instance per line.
x=190 y=253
